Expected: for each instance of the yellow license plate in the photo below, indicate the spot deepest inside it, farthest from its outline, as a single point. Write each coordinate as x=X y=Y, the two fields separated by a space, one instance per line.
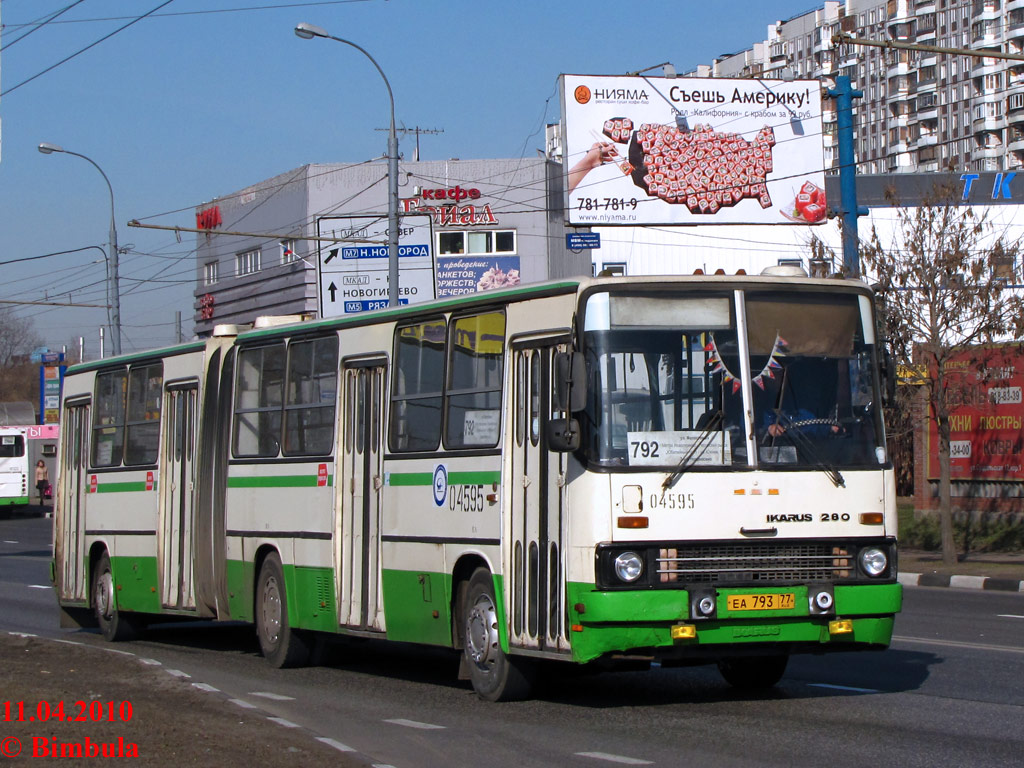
x=782 y=601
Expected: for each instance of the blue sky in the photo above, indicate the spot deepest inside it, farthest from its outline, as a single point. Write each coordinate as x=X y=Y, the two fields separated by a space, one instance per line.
x=205 y=97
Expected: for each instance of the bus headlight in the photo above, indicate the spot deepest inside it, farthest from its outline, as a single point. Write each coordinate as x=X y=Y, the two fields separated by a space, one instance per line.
x=873 y=561
x=629 y=566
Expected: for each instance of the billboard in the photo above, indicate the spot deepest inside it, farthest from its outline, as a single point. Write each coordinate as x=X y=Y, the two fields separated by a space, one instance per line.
x=986 y=440
x=641 y=150
x=353 y=273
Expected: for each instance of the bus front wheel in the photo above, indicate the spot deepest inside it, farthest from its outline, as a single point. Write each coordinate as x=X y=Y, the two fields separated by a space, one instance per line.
x=495 y=675
x=281 y=645
x=753 y=672
x=114 y=624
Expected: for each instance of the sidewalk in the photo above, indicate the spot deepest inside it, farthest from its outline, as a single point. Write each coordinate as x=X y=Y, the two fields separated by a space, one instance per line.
x=1003 y=571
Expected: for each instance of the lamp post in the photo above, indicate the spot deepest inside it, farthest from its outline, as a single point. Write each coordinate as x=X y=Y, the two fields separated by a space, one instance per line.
x=113 y=282
x=308 y=32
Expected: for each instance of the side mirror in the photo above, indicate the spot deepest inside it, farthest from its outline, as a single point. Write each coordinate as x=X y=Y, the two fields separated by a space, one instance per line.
x=563 y=435
x=889 y=377
x=570 y=385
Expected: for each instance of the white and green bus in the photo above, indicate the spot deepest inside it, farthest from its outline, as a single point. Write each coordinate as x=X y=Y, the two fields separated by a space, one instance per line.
x=14 y=468
x=686 y=470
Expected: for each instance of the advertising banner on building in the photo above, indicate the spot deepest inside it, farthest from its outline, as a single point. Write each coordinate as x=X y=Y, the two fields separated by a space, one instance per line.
x=353 y=273
x=987 y=440
x=457 y=275
x=666 y=151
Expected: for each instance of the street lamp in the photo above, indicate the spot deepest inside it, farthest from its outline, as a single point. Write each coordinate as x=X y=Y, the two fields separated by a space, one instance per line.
x=113 y=283
x=308 y=32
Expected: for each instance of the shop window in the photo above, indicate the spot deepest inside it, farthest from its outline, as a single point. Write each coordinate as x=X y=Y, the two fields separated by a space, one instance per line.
x=476 y=242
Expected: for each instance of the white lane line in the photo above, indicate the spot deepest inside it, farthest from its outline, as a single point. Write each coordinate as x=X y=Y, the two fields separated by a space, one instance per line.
x=282 y=721
x=8 y=541
x=271 y=696
x=22 y=634
x=956 y=644
x=336 y=744
x=40 y=586
x=242 y=703
x=206 y=687
x=1009 y=616
x=415 y=724
x=177 y=673
x=67 y=642
x=843 y=688
x=622 y=759
x=151 y=662
x=115 y=650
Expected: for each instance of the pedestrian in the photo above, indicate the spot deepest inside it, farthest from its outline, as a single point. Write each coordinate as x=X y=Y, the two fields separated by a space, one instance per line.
x=42 y=479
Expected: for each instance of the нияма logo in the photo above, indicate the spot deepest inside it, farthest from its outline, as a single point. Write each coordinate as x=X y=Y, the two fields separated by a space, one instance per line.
x=582 y=94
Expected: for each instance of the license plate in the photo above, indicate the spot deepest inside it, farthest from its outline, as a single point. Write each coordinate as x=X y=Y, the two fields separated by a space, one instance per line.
x=781 y=601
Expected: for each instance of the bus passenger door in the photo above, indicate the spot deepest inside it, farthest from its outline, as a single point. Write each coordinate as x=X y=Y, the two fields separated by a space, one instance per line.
x=538 y=521
x=177 y=496
x=357 y=534
x=70 y=503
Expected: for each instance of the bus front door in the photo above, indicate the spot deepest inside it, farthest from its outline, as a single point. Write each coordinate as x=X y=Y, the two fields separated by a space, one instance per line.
x=177 y=497
x=70 y=503
x=357 y=534
x=536 y=598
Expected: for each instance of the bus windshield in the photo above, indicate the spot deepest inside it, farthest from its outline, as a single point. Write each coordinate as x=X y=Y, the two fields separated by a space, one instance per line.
x=667 y=373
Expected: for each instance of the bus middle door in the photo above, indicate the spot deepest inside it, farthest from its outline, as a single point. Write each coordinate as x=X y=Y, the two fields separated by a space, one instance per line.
x=538 y=523
x=177 y=498
x=357 y=557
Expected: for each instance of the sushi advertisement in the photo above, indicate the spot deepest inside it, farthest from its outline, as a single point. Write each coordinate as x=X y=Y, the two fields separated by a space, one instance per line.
x=640 y=150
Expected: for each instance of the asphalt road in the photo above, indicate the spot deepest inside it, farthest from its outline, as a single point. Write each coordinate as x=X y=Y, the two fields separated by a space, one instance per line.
x=950 y=691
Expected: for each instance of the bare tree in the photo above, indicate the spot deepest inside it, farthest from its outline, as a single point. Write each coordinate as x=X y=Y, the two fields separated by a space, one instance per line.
x=942 y=282
x=19 y=379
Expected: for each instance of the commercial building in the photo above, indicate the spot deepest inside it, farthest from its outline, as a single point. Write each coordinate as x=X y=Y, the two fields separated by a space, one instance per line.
x=488 y=223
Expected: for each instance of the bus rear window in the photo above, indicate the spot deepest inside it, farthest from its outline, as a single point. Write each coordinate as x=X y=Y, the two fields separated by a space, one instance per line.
x=12 y=446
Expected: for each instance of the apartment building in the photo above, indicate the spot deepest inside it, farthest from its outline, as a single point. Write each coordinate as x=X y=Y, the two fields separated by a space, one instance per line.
x=921 y=111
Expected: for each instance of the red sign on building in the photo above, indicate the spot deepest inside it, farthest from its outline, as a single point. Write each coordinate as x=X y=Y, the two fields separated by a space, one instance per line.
x=986 y=440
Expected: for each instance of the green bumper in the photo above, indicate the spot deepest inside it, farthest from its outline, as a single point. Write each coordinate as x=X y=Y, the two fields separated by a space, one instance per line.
x=642 y=621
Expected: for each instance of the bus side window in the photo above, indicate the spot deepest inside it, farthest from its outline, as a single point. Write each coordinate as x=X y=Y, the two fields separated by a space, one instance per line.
x=312 y=391
x=475 y=376
x=108 y=424
x=415 y=419
x=142 y=425
x=259 y=400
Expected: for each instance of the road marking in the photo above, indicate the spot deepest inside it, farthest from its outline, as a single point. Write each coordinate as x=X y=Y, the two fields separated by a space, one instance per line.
x=957 y=644
x=415 y=724
x=1009 y=616
x=271 y=696
x=336 y=744
x=177 y=673
x=22 y=634
x=115 y=650
x=151 y=662
x=8 y=541
x=40 y=586
x=614 y=758
x=242 y=703
x=282 y=721
x=843 y=688
x=66 y=642
x=206 y=687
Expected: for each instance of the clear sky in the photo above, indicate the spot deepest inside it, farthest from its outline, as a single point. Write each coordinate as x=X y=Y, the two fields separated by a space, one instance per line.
x=205 y=97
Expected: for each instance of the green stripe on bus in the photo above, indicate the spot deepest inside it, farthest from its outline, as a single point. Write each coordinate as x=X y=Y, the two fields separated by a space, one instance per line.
x=454 y=478
x=278 y=481
x=124 y=487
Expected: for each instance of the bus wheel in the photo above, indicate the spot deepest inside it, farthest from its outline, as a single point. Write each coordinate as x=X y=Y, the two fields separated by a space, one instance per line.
x=495 y=676
x=281 y=645
x=753 y=672
x=114 y=624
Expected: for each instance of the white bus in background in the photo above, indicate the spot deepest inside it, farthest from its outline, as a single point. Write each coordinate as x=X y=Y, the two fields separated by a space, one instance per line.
x=684 y=470
x=16 y=477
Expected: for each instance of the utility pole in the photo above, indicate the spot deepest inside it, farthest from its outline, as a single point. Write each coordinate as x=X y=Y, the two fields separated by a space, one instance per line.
x=417 y=130
x=844 y=94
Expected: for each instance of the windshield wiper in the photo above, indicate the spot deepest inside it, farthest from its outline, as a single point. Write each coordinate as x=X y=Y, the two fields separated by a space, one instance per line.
x=804 y=443
x=697 y=449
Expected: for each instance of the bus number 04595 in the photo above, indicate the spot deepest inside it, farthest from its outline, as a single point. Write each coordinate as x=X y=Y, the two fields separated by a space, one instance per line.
x=466 y=498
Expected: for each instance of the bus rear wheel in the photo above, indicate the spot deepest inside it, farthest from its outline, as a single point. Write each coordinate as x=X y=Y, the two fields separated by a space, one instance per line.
x=753 y=672
x=495 y=675
x=115 y=625
x=281 y=645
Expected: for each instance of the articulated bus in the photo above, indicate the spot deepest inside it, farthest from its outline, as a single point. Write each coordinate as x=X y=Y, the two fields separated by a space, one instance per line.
x=683 y=470
x=14 y=468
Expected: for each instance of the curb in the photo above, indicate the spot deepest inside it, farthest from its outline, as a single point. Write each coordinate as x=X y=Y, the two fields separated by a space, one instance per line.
x=960 y=582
